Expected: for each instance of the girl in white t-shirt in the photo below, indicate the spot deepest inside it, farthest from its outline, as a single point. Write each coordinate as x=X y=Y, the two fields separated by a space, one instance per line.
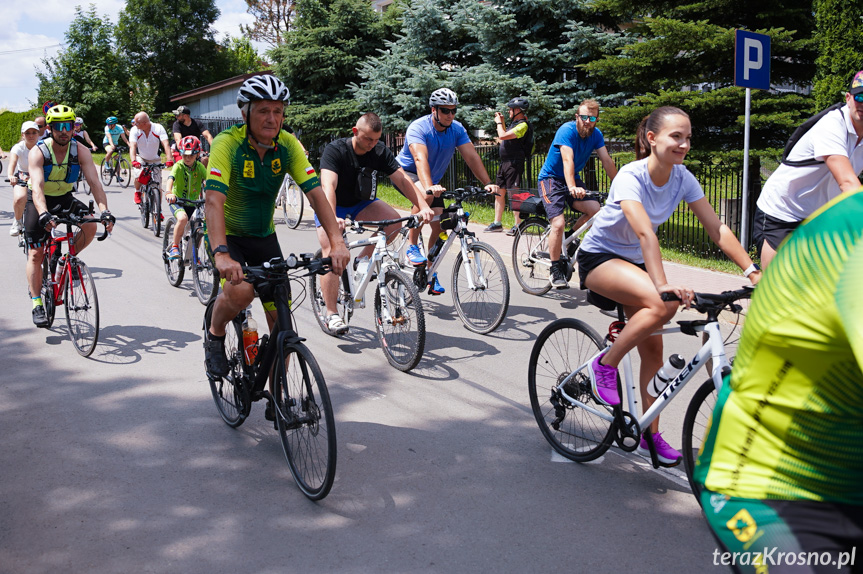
x=620 y=261
x=19 y=173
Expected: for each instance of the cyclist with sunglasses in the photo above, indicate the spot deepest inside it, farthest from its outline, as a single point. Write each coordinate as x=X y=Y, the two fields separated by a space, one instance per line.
x=828 y=158
x=560 y=183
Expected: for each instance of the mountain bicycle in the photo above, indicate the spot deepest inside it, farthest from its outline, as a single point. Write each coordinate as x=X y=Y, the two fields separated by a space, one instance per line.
x=67 y=281
x=118 y=167
x=399 y=317
x=23 y=177
x=195 y=253
x=299 y=403
x=291 y=199
x=581 y=428
x=150 y=208
x=531 y=260
x=480 y=284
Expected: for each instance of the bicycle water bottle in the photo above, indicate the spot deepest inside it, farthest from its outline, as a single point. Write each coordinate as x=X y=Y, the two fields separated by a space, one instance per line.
x=250 y=337
x=441 y=239
x=665 y=374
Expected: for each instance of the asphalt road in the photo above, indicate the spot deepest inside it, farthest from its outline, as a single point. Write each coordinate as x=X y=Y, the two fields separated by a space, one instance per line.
x=121 y=463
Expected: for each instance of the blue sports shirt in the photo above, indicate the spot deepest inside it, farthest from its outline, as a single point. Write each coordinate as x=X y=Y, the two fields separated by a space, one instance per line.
x=441 y=145
x=567 y=135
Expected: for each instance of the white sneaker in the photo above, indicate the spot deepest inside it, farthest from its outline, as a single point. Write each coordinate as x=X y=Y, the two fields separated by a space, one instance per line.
x=336 y=325
x=16 y=229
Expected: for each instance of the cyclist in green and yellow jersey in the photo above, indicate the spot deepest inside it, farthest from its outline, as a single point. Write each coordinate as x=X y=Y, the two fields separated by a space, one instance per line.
x=186 y=179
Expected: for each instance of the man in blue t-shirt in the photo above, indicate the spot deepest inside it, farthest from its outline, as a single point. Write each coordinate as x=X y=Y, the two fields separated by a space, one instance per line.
x=560 y=183
x=430 y=144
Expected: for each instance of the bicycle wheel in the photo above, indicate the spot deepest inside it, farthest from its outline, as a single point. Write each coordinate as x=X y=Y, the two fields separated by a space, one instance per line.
x=292 y=205
x=305 y=421
x=174 y=268
x=228 y=391
x=204 y=273
x=696 y=424
x=530 y=258
x=483 y=308
x=403 y=335
x=344 y=303
x=47 y=290
x=572 y=431
x=106 y=172
x=82 y=308
x=144 y=208
x=84 y=184
x=125 y=173
x=156 y=210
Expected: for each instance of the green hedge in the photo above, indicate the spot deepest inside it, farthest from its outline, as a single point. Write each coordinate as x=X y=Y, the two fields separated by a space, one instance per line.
x=10 y=126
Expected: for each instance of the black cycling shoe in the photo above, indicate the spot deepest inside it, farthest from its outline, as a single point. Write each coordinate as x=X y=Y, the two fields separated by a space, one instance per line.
x=558 y=276
x=40 y=318
x=270 y=415
x=214 y=356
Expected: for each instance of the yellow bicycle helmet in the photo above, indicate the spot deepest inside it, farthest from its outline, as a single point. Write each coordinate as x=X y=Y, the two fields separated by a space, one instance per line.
x=60 y=113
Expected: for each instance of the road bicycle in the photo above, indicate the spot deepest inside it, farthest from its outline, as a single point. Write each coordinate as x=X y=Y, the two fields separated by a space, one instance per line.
x=195 y=253
x=530 y=252
x=291 y=201
x=150 y=208
x=81 y=183
x=581 y=428
x=67 y=281
x=480 y=284
x=299 y=403
x=118 y=167
x=399 y=317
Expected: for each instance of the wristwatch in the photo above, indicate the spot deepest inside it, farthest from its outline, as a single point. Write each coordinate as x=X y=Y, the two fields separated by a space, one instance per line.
x=221 y=249
x=751 y=269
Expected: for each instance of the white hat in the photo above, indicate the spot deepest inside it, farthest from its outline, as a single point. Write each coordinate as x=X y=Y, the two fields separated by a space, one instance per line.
x=79 y=121
x=29 y=126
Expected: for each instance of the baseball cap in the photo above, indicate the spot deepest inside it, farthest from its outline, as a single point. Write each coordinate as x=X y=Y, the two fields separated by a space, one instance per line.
x=182 y=110
x=79 y=121
x=29 y=126
x=856 y=84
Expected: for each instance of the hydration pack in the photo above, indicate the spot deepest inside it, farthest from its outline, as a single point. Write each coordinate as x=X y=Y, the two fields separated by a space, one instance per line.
x=800 y=131
x=48 y=163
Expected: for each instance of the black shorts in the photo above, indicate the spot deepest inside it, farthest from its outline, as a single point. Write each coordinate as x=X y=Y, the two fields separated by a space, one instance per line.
x=556 y=197
x=587 y=262
x=509 y=174
x=255 y=251
x=33 y=233
x=771 y=230
x=189 y=209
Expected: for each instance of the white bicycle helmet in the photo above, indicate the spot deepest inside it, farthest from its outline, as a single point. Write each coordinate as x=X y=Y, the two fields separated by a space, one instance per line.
x=263 y=87
x=443 y=97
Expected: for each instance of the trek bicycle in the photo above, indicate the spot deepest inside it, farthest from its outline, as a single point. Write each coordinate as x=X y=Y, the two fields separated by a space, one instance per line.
x=299 y=403
x=581 y=428
x=118 y=167
x=195 y=253
x=399 y=317
x=291 y=200
x=67 y=281
x=531 y=259
x=480 y=284
x=150 y=208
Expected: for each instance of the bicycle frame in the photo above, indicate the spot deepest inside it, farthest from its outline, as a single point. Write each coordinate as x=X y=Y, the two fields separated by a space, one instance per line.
x=259 y=372
x=465 y=239
x=379 y=262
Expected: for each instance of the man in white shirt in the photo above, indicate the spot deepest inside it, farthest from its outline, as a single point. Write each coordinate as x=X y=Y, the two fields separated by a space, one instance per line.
x=145 y=139
x=793 y=193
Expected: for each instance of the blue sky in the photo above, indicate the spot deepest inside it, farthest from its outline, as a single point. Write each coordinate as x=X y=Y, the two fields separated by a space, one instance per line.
x=33 y=30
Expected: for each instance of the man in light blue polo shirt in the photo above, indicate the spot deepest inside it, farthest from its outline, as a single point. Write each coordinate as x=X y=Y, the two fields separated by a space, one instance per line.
x=430 y=144
x=560 y=183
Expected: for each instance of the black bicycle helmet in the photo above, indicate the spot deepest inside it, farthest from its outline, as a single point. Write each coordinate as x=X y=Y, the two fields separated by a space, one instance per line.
x=518 y=102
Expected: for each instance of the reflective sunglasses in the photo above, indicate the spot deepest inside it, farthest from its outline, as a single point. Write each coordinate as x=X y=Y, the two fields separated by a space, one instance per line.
x=447 y=111
x=588 y=118
x=858 y=98
x=62 y=126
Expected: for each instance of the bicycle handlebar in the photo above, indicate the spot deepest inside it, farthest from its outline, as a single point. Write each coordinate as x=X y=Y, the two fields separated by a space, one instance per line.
x=462 y=193
x=79 y=219
x=359 y=226
x=183 y=202
x=279 y=266
x=715 y=302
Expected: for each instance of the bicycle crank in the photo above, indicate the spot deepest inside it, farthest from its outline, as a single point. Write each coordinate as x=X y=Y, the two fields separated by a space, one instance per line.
x=627 y=432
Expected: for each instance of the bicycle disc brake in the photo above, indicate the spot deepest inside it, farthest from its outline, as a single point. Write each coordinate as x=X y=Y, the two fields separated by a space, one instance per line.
x=627 y=431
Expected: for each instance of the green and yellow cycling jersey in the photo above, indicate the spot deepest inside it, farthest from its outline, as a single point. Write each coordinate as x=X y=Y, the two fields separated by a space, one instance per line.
x=188 y=181
x=251 y=184
x=789 y=425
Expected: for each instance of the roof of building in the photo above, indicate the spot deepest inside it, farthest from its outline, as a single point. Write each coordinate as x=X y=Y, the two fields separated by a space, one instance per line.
x=216 y=86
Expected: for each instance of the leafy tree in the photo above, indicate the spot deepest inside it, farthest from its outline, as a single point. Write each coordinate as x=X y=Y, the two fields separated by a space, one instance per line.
x=272 y=20
x=840 y=48
x=241 y=57
x=89 y=75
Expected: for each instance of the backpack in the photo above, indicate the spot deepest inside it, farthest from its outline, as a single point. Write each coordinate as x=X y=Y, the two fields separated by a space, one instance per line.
x=48 y=163
x=800 y=131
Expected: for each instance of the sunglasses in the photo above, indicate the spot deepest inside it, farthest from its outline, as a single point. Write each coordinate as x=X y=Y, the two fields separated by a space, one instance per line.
x=62 y=126
x=858 y=98
x=588 y=118
x=447 y=111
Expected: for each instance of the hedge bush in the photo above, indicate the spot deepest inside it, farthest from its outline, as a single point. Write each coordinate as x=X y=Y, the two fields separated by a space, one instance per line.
x=10 y=126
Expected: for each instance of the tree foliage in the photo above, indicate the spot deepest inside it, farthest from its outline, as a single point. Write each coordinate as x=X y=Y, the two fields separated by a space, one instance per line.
x=272 y=20
x=840 y=48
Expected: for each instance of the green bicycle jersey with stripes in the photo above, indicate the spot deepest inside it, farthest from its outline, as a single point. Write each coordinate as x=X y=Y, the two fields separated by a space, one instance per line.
x=789 y=425
x=251 y=184
x=187 y=182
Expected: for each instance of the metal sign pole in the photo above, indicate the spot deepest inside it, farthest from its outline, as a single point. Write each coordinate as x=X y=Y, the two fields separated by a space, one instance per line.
x=744 y=208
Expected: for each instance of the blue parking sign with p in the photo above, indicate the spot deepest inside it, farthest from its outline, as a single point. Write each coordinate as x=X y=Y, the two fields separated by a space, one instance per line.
x=751 y=60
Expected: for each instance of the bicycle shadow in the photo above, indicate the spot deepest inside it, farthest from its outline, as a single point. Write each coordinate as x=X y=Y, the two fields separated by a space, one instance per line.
x=103 y=273
x=125 y=344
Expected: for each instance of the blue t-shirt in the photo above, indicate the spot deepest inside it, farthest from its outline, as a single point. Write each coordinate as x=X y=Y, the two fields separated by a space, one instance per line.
x=612 y=233
x=567 y=135
x=115 y=134
x=441 y=145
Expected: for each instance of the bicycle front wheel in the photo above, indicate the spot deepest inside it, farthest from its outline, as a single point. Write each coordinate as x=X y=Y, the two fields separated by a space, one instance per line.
x=82 y=308
x=84 y=185
x=483 y=307
x=403 y=334
x=292 y=205
x=574 y=432
x=305 y=421
x=47 y=289
x=124 y=175
x=106 y=172
x=204 y=273
x=228 y=391
x=144 y=208
x=696 y=424
x=174 y=268
x=530 y=256
x=156 y=210
x=344 y=304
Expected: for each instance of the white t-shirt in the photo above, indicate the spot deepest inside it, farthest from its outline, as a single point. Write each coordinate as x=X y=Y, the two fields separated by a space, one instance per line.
x=611 y=232
x=794 y=193
x=20 y=149
x=148 y=146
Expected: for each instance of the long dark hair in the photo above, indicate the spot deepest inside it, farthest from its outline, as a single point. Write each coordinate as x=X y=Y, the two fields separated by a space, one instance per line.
x=652 y=123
